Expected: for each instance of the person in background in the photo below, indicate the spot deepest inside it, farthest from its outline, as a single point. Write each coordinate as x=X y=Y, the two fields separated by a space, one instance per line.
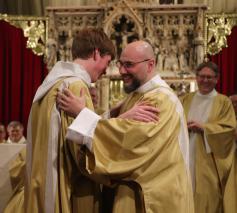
x=94 y=96
x=148 y=162
x=15 y=132
x=211 y=124
x=2 y=133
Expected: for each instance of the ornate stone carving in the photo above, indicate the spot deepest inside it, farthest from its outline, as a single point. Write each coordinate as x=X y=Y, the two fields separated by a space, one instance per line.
x=218 y=28
x=64 y=24
x=34 y=28
x=176 y=32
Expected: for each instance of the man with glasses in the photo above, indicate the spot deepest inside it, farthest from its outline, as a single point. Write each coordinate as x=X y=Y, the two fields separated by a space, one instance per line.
x=211 y=124
x=146 y=162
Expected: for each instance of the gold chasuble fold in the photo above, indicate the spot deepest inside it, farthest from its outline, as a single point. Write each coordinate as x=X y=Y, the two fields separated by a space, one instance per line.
x=230 y=193
x=147 y=161
x=58 y=186
x=17 y=176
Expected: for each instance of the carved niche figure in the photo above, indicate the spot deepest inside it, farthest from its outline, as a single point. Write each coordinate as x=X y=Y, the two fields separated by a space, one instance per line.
x=68 y=47
x=123 y=33
x=199 y=50
x=51 y=50
x=182 y=60
x=171 y=60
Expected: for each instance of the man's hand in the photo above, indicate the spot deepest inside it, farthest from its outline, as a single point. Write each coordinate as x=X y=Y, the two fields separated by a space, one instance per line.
x=141 y=112
x=194 y=126
x=70 y=103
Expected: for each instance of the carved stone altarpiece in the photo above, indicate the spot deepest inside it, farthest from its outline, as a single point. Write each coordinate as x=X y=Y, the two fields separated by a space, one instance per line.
x=176 y=32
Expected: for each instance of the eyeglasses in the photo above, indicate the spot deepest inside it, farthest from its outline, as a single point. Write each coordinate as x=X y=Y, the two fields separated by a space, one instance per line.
x=208 y=77
x=129 y=64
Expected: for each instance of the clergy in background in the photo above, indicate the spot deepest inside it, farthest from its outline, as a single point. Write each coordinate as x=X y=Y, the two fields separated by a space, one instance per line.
x=15 y=131
x=147 y=162
x=211 y=124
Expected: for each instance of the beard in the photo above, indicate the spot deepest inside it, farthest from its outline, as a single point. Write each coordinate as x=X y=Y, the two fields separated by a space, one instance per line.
x=133 y=86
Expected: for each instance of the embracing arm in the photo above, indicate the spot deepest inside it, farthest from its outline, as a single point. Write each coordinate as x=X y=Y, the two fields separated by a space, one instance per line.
x=73 y=105
x=86 y=120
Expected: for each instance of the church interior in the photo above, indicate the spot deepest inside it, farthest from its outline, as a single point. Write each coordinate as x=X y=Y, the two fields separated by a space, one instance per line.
x=35 y=34
x=182 y=33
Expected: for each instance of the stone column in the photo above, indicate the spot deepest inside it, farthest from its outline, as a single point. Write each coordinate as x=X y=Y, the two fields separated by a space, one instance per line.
x=104 y=94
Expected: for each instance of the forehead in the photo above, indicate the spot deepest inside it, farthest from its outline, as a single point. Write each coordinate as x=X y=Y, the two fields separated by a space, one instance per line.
x=206 y=71
x=2 y=129
x=126 y=55
x=131 y=53
x=16 y=128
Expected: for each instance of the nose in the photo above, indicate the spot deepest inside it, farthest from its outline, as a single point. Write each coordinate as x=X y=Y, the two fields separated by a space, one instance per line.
x=205 y=79
x=122 y=70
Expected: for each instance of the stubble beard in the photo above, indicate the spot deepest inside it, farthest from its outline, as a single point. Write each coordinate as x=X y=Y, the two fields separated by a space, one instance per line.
x=133 y=86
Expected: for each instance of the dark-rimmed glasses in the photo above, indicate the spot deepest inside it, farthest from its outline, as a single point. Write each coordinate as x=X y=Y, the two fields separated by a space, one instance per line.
x=207 y=77
x=129 y=64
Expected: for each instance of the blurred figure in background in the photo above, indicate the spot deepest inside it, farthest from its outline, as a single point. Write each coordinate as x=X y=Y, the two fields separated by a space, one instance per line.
x=15 y=132
x=94 y=96
x=211 y=125
x=95 y=100
x=2 y=133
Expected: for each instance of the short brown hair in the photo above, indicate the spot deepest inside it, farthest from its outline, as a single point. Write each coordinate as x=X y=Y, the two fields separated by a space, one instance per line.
x=89 y=39
x=210 y=65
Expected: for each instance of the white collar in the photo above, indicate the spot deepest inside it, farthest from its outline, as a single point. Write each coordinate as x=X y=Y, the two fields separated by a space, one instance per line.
x=152 y=83
x=61 y=70
x=21 y=141
x=209 y=95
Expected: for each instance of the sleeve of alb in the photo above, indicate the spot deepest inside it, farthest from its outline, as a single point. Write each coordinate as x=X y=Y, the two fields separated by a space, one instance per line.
x=82 y=129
